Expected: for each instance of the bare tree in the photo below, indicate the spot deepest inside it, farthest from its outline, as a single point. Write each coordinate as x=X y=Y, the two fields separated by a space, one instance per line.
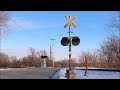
x=4 y=59
x=115 y=37
x=110 y=48
x=32 y=52
x=35 y=56
x=15 y=63
x=114 y=26
x=4 y=18
x=93 y=58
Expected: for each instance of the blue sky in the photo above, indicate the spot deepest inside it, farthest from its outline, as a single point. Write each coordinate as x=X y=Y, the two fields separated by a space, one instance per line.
x=36 y=28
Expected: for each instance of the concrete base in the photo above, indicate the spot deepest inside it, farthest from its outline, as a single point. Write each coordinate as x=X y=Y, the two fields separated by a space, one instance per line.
x=70 y=74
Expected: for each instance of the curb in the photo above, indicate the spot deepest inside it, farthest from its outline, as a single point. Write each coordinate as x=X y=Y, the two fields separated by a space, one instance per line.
x=54 y=73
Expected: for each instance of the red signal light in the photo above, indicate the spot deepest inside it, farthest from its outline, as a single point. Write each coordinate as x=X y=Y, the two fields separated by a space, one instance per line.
x=65 y=41
x=75 y=40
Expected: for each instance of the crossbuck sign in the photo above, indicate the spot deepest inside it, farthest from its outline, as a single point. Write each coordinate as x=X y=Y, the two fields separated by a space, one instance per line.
x=70 y=21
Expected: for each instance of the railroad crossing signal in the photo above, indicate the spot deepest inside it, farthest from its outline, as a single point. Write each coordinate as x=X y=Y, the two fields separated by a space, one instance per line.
x=75 y=40
x=65 y=41
x=69 y=41
x=44 y=54
x=70 y=21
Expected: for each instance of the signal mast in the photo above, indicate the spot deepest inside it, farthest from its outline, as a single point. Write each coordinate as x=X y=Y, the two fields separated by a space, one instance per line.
x=65 y=41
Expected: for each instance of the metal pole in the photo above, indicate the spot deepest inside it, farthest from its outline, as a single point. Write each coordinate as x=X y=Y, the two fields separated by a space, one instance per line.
x=70 y=73
x=119 y=20
x=52 y=52
x=70 y=46
x=119 y=36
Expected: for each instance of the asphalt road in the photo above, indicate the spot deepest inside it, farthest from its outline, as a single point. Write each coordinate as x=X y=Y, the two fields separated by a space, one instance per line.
x=28 y=73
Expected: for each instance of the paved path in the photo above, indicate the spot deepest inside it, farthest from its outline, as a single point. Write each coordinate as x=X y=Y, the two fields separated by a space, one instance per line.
x=28 y=73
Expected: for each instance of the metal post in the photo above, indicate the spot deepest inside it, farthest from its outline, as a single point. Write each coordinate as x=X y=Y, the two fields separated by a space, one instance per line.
x=70 y=47
x=70 y=73
x=52 y=52
x=119 y=36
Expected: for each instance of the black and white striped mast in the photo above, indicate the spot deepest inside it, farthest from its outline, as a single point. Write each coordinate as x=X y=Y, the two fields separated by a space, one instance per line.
x=70 y=22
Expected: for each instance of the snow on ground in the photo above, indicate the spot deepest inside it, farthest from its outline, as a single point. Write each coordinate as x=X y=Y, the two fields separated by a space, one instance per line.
x=91 y=74
x=59 y=74
x=12 y=69
x=90 y=68
x=94 y=74
x=6 y=69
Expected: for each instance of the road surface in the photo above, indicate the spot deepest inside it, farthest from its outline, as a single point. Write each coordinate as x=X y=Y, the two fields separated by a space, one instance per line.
x=28 y=73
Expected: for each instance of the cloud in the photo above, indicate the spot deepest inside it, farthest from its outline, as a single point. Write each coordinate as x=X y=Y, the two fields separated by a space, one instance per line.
x=31 y=25
x=18 y=52
x=59 y=54
x=25 y=25
x=94 y=25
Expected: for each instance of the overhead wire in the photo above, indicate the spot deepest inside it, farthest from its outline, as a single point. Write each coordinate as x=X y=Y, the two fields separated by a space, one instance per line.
x=16 y=23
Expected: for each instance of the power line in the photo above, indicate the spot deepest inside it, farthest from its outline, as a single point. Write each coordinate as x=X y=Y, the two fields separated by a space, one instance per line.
x=16 y=23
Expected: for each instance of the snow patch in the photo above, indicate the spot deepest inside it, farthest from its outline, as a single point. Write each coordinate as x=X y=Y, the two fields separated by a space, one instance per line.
x=91 y=74
x=11 y=69
x=59 y=74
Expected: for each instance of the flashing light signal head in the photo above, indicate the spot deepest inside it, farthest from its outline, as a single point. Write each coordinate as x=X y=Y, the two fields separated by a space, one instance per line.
x=75 y=40
x=65 y=41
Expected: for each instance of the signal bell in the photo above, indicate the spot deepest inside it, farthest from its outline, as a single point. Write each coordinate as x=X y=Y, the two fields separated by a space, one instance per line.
x=65 y=41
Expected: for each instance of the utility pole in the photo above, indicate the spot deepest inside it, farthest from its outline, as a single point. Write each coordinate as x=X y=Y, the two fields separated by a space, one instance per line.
x=51 y=52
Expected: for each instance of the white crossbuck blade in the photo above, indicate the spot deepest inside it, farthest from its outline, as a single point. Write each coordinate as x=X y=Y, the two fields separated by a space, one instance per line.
x=70 y=21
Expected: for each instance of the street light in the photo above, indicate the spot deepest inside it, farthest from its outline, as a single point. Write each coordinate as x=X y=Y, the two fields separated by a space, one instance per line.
x=51 y=52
